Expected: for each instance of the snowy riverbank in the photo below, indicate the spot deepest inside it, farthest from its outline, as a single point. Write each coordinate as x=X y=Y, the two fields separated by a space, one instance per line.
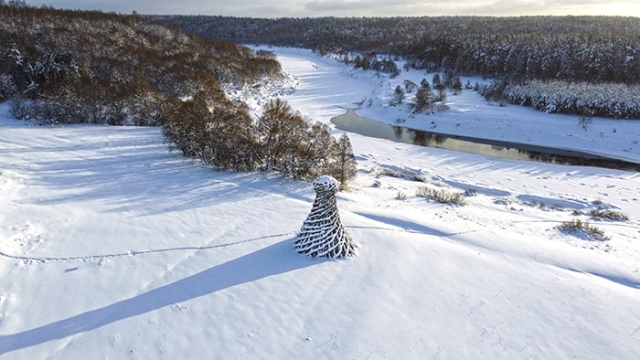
x=469 y=115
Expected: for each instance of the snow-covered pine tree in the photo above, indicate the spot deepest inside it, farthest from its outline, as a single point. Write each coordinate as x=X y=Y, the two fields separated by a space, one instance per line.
x=398 y=95
x=424 y=99
x=322 y=233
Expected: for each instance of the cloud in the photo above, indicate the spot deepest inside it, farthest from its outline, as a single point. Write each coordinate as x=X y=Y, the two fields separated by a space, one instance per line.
x=471 y=7
x=357 y=8
x=373 y=7
x=339 y=5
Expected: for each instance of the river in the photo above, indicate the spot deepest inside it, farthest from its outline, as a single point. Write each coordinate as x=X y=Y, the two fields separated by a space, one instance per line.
x=352 y=122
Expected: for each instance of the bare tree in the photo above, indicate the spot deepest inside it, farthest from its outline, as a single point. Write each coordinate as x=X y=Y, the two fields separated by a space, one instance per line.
x=345 y=166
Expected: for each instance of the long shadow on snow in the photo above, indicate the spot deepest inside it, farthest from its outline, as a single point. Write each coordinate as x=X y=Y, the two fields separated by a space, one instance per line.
x=406 y=225
x=271 y=261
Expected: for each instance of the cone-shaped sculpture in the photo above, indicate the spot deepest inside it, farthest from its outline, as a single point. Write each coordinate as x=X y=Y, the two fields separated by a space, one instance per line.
x=322 y=233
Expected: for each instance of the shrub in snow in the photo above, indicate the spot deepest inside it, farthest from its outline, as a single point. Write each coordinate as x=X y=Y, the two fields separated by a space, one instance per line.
x=441 y=195
x=470 y=192
x=582 y=229
x=322 y=233
x=610 y=215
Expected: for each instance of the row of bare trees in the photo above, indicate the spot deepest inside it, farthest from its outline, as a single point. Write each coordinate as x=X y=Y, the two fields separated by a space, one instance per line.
x=280 y=141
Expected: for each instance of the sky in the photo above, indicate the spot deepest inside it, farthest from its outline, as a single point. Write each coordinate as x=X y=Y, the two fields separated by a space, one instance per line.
x=357 y=8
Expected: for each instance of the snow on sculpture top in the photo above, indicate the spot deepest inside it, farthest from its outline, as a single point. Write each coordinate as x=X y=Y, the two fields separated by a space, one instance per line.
x=322 y=233
x=325 y=183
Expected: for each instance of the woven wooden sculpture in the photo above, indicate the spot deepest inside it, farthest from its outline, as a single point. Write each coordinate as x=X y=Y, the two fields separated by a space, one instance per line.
x=322 y=233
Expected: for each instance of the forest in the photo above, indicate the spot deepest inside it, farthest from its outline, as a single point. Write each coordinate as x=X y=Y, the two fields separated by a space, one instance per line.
x=520 y=53
x=61 y=67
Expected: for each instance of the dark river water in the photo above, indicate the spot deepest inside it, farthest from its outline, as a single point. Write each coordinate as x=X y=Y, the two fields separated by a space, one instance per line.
x=352 y=122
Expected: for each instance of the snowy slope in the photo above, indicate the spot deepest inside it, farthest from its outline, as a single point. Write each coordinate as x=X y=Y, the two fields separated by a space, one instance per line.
x=113 y=248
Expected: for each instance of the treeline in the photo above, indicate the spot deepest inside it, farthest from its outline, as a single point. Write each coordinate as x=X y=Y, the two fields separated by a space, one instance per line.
x=64 y=67
x=367 y=62
x=518 y=50
x=574 y=48
x=618 y=101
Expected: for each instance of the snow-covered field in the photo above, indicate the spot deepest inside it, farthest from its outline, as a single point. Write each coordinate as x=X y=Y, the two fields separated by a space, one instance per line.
x=113 y=248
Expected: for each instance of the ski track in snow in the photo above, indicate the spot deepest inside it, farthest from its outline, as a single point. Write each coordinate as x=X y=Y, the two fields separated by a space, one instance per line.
x=211 y=247
x=139 y=252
